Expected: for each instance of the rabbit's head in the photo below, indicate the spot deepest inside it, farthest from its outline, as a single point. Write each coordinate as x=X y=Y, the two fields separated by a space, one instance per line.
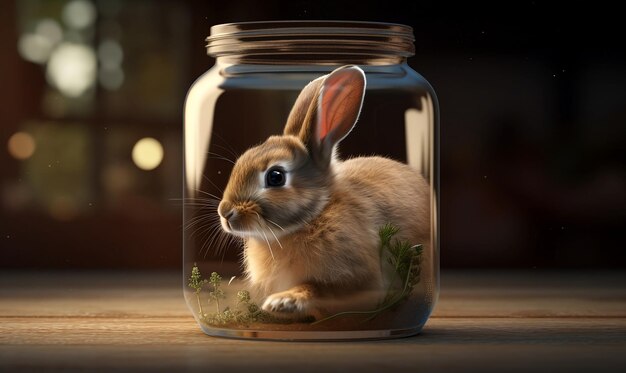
x=278 y=186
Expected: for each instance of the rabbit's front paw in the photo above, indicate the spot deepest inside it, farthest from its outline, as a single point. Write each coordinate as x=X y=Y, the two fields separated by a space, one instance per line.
x=295 y=300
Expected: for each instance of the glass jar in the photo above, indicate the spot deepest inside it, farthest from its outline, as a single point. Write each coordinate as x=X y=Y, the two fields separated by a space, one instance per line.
x=320 y=275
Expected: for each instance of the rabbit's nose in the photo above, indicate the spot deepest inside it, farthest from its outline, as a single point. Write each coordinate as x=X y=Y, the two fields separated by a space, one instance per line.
x=229 y=214
x=226 y=210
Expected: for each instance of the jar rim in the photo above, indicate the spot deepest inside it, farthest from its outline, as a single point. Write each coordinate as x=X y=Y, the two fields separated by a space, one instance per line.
x=311 y=36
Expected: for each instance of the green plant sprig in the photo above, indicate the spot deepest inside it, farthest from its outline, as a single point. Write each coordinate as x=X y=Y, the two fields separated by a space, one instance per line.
x=216 y=293
x=405 y=259
x=196 y=282
x=244 y=312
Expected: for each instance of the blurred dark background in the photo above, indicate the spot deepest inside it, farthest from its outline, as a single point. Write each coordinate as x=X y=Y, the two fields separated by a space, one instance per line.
x=533 y=114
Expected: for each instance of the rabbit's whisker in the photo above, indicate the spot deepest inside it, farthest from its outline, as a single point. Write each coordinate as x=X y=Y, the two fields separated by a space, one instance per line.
x=212 y=183
x=207 y=193
x=261 y=220
x=268 y=242
x=212 y=235
x=221 y=157
x=265 y=235
x=276 y=224
x=273 y=234
x=228 y=147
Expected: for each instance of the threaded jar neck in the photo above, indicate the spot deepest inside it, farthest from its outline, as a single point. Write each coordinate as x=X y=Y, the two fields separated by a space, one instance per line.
x=319 y=42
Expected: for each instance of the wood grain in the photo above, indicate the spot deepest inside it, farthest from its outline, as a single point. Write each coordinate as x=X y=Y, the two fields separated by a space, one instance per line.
x=488 y=322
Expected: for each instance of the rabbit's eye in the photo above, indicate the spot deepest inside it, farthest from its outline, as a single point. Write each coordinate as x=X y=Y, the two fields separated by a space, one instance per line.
x=275 y=177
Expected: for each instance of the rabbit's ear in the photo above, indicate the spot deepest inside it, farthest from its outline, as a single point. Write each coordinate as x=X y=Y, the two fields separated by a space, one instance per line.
x=338 y=107
x=326 y=111
x=302 y=115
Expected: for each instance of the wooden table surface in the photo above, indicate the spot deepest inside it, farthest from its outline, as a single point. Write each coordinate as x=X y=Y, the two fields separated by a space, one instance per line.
x=511 y=321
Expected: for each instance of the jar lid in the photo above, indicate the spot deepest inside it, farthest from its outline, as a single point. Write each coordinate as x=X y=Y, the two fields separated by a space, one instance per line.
x=311 y=37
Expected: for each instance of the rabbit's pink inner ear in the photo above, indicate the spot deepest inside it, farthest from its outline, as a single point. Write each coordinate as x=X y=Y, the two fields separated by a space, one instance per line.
x=340 y=104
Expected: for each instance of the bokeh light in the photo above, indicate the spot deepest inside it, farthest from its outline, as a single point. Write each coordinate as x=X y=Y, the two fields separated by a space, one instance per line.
x=72 y=68
x=50 y=29
x=34 y=48
x=110 y=54
x=21 y=145
x=147 y=153
x=79 y=14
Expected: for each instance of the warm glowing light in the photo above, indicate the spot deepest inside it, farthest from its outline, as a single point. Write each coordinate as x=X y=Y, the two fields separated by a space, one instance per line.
x=50 y=29
x=21 y=145
x=72 y=68
x=34 y=48
x=79 y=14
x=147 y=153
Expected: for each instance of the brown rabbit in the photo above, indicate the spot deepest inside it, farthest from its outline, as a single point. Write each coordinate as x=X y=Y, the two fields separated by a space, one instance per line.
x=310 y=221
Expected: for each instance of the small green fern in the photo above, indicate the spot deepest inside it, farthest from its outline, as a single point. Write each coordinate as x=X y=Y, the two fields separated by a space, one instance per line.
x=404 y=259
x=243 y=313
x=196 y=282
